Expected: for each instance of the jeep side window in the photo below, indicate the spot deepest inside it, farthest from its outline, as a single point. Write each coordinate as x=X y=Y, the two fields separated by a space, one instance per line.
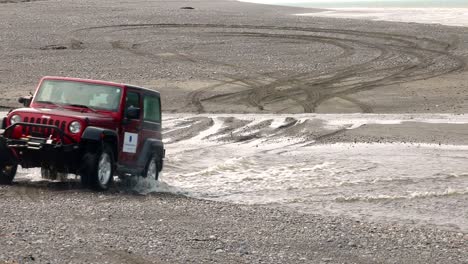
x=132 y=100
x=151 y=109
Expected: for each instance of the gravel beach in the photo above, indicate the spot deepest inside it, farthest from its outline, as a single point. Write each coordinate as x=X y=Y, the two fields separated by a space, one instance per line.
x=234 y=58
x=56 y=224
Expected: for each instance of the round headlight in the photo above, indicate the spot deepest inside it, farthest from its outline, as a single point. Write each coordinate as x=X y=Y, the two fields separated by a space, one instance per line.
x=15 y=119
x=75 y=127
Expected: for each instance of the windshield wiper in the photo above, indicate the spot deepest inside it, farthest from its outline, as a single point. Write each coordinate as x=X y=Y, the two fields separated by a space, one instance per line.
x=83 y=106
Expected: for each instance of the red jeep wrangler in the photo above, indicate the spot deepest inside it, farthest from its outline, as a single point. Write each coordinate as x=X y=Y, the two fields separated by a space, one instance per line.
x=90 y=128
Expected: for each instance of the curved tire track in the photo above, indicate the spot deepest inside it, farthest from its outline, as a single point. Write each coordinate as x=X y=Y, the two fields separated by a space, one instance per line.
x=399 y=59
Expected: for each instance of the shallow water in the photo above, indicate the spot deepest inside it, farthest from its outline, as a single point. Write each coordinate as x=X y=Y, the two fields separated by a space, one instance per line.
x=418 y=183
x=273 y=160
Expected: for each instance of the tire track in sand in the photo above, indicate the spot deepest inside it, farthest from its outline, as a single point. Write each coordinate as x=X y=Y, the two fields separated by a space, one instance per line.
x=399 y=59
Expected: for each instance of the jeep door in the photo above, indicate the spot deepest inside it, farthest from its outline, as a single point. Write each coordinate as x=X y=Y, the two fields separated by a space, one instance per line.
x=151 y=126
x=152 y=145
x=130 y=133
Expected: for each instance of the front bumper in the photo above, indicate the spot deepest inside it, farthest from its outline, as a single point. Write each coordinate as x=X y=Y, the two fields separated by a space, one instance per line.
x=33 y=151
x=37 y=142
x=33 y=143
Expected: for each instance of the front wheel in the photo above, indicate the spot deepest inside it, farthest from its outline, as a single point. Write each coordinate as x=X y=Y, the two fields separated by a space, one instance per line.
x=97 y=169
x=7 y=173
x=8 y=166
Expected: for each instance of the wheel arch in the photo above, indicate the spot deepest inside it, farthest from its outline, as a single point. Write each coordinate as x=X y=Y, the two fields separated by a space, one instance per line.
x=101 y=135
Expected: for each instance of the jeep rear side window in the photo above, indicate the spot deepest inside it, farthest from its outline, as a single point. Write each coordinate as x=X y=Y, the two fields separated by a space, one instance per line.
x=151 y=109
x=133 y=99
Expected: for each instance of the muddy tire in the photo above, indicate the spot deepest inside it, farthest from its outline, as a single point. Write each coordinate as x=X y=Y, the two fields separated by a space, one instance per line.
x=7 y=173
x=152 y=169
x=8 y=166
x=97 y=168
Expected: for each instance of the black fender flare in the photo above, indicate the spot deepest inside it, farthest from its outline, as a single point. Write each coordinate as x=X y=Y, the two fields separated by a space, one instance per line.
x=151 y=146
x=100 y=135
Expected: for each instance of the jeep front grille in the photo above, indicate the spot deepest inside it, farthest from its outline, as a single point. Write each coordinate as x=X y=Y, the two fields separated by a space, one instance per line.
x=40 y=131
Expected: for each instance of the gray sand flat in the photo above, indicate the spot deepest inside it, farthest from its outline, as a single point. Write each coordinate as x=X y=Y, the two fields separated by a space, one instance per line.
x=230 y=57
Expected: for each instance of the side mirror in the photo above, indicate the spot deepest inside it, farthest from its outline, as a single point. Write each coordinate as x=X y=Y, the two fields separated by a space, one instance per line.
x=132 y=112
x=26 y=100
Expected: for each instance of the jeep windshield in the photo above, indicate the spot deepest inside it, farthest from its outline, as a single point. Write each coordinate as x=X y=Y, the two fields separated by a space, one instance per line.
x=89 y=96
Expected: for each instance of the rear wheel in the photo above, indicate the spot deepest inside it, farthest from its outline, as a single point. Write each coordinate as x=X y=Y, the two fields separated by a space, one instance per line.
x=152 y=169
x=97 y=169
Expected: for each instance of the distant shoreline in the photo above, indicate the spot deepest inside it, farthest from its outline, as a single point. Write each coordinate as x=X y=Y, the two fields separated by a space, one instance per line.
x=455 y=16
x=443 y=16
x=323 y=4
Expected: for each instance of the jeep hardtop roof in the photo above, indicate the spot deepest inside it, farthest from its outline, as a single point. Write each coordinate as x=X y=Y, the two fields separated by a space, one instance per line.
x=122 y=85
